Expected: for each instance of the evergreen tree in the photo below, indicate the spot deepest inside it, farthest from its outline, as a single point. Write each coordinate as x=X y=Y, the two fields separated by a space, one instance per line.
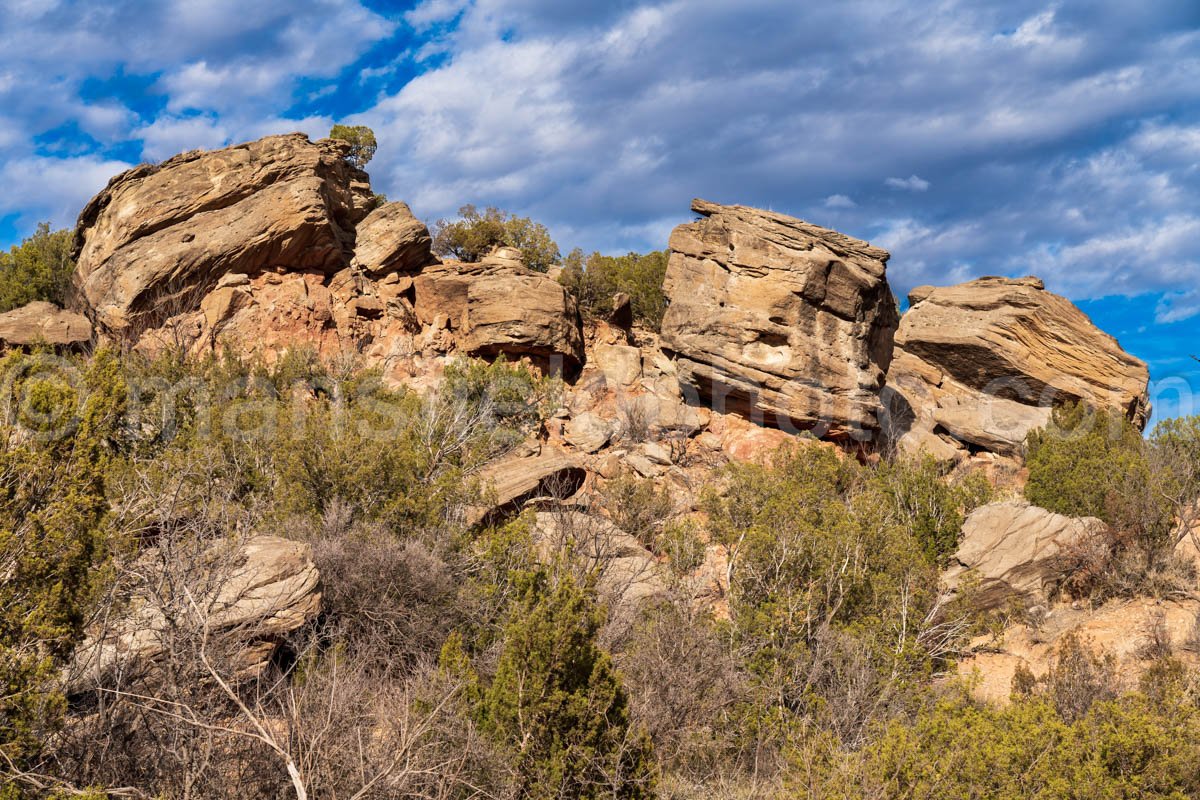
x=557 y=701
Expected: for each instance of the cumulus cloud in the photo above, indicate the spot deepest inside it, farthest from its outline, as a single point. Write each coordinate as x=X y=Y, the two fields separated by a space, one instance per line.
x=85 y=86
x=1057 y=141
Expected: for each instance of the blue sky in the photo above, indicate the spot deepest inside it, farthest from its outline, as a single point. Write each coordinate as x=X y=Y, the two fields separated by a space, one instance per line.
x=969 y=138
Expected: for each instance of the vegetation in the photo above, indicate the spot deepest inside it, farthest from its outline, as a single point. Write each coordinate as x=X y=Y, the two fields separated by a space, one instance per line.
x=1094 y=463
x=475 y=233
x=361 y=140
x=37 y=269
x=457 y=661
x=595 y=279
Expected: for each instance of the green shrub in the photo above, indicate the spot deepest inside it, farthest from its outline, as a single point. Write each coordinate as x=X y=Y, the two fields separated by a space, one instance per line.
x=1079 y=461
x=475 y=233
x=557 y=703
x=37 y=269
x=928 y=503
x=594 y=280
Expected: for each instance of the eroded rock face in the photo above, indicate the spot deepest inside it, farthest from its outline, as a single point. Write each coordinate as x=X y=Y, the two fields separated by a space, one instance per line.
x=159 y=236
x=1015 y=550
x=983 y=363
x=779 y=320
x=43 y=323
x=247 y=599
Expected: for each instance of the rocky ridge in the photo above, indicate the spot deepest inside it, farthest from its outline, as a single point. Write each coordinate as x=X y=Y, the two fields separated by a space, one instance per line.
x=775 y=326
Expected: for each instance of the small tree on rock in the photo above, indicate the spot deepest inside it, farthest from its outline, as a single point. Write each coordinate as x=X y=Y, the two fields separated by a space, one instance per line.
x=362 y=142
x=475 y=233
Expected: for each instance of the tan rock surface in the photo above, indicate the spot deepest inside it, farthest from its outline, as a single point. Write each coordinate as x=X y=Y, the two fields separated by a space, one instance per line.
x=391 y=239
x=984 y=363
x=509 y=480
x=43 y=323
x=780 y=320
x=158 y=236
x=247 y=599
x=1014 y=550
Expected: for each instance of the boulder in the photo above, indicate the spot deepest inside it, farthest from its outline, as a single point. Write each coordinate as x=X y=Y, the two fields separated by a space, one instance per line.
x=247 y=598
x=40 y=322
x=983 y=363
x=620 y=364
x=523 y=314
x=587 y=432
x=160 y=236
x=1015 y=550
x=390 y=239
x=507 y=482
x=627 y=573
x=781 y=321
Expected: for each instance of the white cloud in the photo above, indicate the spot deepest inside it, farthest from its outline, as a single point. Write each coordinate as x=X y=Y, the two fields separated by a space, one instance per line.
x=912 y=183
x=58 y=183
x=839 y=201
x=1178 y=306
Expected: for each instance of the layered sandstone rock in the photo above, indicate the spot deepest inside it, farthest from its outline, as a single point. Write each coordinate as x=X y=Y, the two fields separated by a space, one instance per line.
x=390 y=239
x=245 y=599
x=983 y=363
x=43 y=323
x=779 y=320
x=1015 y=550
x=498 y=306
x=160 y=236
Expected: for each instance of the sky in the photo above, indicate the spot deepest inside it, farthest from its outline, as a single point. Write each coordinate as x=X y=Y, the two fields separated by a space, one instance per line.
x=969 y=138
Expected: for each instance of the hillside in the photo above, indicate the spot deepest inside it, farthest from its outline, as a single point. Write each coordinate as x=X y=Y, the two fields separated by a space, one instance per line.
x=292 y=507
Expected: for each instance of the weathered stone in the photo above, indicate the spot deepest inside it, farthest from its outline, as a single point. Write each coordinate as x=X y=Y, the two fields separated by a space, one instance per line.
x=160 y=236
x=627 y=573
x=985 y=362
x=620 y=364
x=391 y=240
x=510 y=480
x=587 y=432
x=779 y=320
x=246 y=599
x=522 y=314
x=1015 y=550
x=40 y=322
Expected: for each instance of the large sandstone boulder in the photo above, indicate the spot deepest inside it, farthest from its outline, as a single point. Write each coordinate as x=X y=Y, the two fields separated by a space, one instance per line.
x=160 y=236
x=784 y=322
x=391 y=239
x=627 y=574
x=1015 y=550
x=983 y=363
x=245 y=599
x=43 y=323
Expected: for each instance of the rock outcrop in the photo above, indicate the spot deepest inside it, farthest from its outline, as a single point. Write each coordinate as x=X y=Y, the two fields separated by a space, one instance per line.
x=245 y=599
x=1015 y=550
x=43 y=323
x=520 y=476
x=779 y=320
x=981 y=364
x=160 y=236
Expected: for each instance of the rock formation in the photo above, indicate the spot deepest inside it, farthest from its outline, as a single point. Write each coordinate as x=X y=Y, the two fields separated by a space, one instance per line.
x=782 y=321
x=983 y=363
x=43 y=323
x=1015 y=550
x=246 y=599
x=160 y=236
